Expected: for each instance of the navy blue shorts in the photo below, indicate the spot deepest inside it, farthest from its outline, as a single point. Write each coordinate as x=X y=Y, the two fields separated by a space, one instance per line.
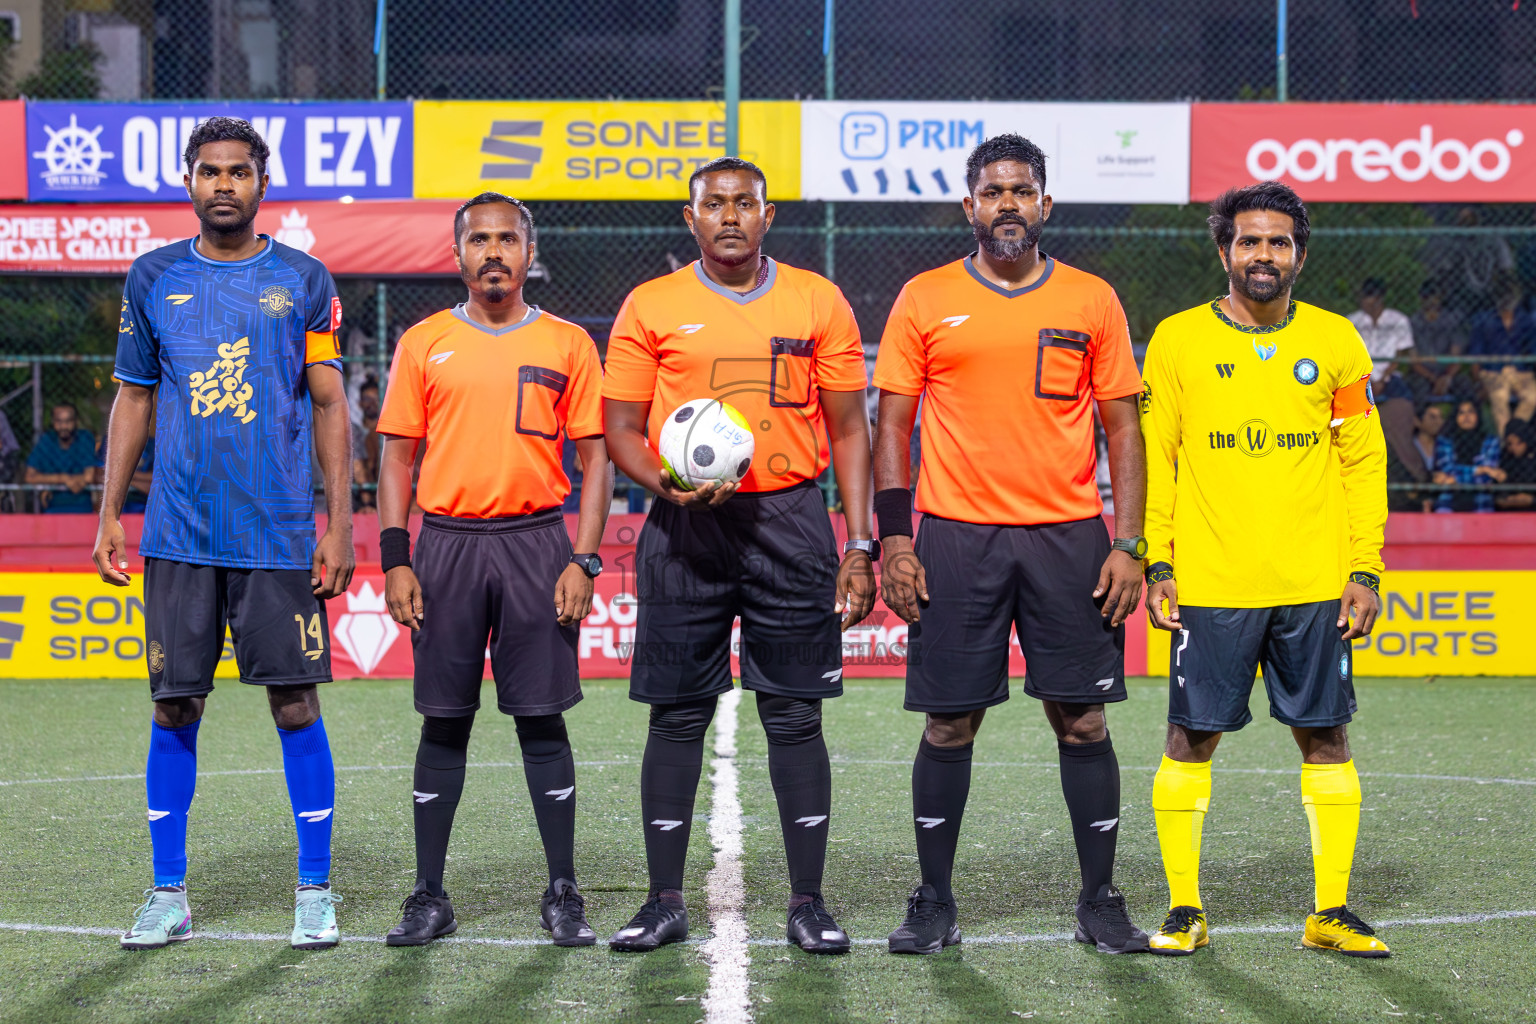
x=1308 y=667
x=278 y=627
x=984 y=581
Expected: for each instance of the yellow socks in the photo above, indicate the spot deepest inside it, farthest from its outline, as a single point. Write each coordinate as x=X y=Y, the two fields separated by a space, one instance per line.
x=1181 y=792
x=1331 y=795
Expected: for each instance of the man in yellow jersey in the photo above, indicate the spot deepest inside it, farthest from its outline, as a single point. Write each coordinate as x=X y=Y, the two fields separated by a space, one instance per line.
x=1254 y=404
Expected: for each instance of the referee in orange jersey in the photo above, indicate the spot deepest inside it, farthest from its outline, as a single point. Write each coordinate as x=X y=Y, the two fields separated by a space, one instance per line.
x=493 y=386
x=780 y=345
x=1009 y=350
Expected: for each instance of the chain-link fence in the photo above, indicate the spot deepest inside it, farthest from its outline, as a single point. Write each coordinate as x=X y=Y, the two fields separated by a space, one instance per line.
x=56 y=333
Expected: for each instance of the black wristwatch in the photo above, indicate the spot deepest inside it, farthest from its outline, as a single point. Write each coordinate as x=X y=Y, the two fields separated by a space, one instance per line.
x=869 y=547
x=592 y=565
x=1136 y=547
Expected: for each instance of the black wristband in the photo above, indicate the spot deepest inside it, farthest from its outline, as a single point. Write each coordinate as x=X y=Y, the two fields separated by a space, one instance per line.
x=893 y=512
x=1366 y=579
x=1159 y=571
x=395 y=548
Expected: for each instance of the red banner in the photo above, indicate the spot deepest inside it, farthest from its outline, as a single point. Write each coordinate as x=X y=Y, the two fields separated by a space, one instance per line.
x=13 y=149
x=1367 y=153
x=364 y=237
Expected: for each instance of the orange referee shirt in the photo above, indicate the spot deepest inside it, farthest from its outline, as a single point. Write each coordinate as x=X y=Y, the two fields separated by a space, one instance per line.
x=1007 y=379
x=493 y=406
x=769 y=352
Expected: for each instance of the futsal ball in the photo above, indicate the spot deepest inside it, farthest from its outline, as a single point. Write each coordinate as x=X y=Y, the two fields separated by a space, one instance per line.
x=703 y=441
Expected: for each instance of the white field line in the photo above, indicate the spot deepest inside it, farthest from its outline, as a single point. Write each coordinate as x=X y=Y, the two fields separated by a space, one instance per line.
x=139 y=776
x=726 y=1001
x=970 y=940
x=1481 y=781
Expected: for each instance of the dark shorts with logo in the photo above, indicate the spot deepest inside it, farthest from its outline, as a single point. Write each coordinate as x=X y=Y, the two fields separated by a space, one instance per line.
x=984 y=581
x=1308 y=668
x=769 y=557
x=277 y=625
x=493 y=581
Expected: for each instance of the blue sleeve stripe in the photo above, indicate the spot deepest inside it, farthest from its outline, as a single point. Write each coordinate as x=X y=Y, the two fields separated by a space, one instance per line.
x=133 y=379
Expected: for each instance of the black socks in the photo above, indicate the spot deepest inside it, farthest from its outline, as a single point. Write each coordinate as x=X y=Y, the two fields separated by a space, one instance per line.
x=669 y=781
x=1090 y=781
x=439 y=784
x=802 y=783
x=941 y=784
x=551 y=773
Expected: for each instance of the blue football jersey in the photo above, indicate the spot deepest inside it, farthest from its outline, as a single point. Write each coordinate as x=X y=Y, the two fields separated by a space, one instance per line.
x=226 y=345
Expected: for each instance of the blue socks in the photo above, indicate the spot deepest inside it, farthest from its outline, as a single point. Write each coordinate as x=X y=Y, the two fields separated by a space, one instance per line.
x=311 y=779
x=170 y=778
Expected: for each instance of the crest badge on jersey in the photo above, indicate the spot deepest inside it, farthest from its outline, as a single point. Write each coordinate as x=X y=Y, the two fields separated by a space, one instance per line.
x=1266 y=352
x=1305 y=371
x=276 y=301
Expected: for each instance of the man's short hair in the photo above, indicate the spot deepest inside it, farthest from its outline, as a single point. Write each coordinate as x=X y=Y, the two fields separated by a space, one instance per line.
x=1007 y=146
x=227 y=129
x=1428 y=288
x=65 y=405
x=1274 y=196
x=462 y=213
x=727 y=163
x=1373 y=286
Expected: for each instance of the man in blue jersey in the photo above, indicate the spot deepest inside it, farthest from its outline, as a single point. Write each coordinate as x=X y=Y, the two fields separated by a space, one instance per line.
x=237 y=334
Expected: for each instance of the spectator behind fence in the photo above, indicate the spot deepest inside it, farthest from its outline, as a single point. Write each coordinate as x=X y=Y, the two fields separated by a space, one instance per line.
x=1518 y=465
x=1426 y=429
x=1467 y=264
x=1506 y=330
x=1439 y=331
x=365 y=447
x=1387 y=335
x=64 y=457
x=1466 y=453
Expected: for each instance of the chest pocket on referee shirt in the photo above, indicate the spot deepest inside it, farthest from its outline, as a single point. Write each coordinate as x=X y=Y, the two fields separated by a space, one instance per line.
x=1059 y=363
x=538 y=392
x=789 y=379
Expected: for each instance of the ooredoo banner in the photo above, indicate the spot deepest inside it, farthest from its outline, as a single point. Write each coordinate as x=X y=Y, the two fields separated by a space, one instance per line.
x=1367 y=153
x=375 y=237
x=13 y=152
x=104 y=152
x=595 y=150
x=875 y=151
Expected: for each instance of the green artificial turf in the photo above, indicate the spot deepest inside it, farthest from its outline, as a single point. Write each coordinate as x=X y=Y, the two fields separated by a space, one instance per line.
x=74 y=853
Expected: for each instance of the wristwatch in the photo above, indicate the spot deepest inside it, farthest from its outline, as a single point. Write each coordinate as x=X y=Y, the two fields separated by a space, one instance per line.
x=1136 y=547
x=869 y=547
x=592 y=565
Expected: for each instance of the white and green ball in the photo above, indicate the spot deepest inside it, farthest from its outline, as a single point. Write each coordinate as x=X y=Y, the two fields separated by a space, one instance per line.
x=703 y=441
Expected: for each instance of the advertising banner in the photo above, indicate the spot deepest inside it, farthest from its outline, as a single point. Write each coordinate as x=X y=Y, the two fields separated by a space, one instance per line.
x=876 y=151
x=1434 y=622
x=13 y=150
x=113 y=152
x=1368 y=152
x=595 y=150
x=375 y=237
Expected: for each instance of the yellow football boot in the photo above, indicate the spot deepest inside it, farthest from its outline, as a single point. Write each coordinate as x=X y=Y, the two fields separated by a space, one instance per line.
x=1336 y=928
x=1183 y=932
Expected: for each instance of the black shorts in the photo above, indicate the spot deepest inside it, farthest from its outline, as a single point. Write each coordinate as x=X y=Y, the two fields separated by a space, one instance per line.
x=279 y=628
x=985 y=580
x=1308 y=666
x=769 y=557
x=493 y=580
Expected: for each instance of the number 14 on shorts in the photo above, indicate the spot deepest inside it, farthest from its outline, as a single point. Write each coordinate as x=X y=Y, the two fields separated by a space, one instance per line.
x=311 y=630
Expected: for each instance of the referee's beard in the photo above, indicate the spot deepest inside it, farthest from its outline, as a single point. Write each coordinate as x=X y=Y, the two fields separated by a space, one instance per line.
x=1008 y=250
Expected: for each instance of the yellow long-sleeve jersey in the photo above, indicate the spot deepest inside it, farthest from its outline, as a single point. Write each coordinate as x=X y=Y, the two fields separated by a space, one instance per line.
x=1266 y=466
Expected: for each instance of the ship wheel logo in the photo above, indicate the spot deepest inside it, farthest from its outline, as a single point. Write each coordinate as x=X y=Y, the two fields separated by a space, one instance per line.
x=73 y=156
